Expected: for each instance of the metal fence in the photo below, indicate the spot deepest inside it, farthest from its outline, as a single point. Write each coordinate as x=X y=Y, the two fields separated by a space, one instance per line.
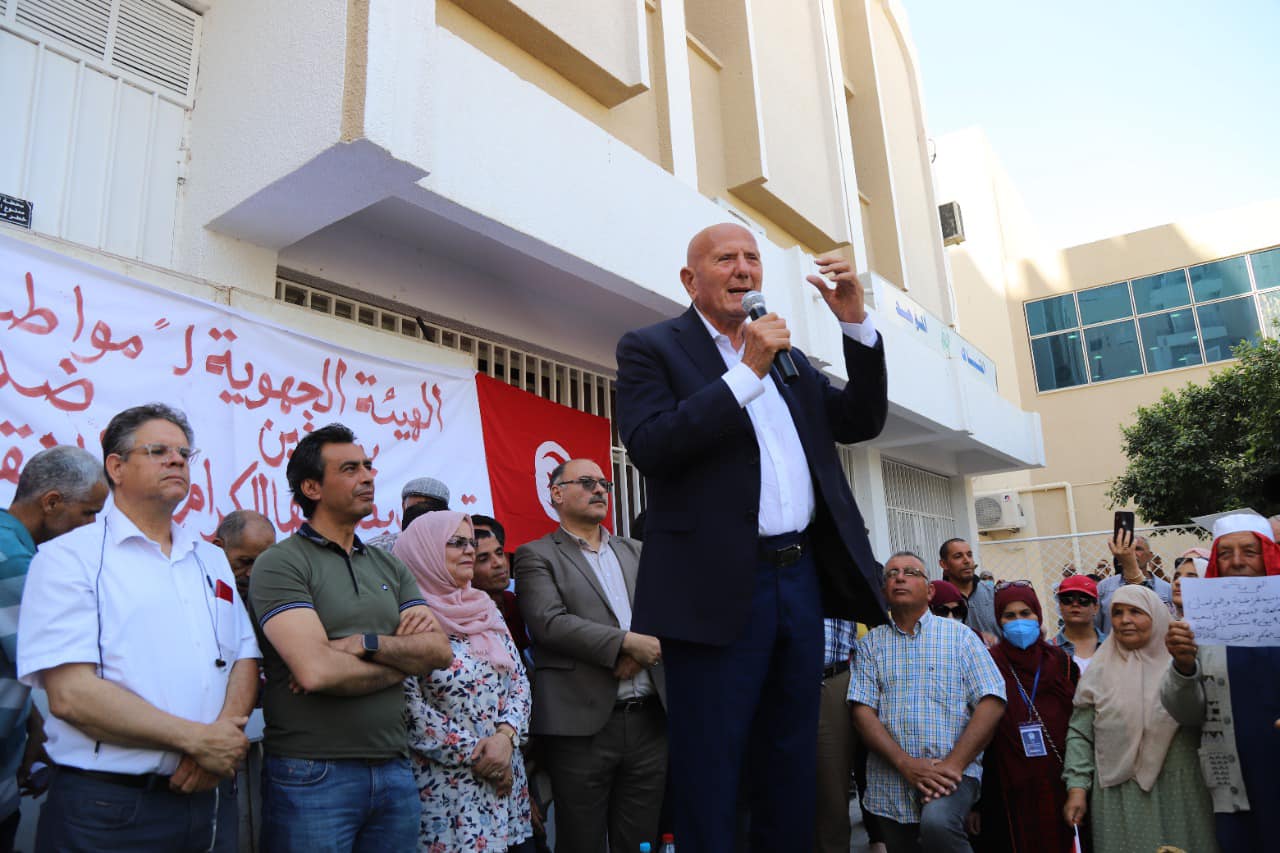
x=1046 y=560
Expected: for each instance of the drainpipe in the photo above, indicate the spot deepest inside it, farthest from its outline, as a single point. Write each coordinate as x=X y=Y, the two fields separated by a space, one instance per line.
x=1071 y=513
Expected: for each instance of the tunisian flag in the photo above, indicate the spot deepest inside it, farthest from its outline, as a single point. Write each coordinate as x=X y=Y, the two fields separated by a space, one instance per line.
x=525 y=438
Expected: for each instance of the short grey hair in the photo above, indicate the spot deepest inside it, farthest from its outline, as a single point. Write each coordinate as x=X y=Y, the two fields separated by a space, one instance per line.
x=117 y=438
x=70 y=471
x=233 y=524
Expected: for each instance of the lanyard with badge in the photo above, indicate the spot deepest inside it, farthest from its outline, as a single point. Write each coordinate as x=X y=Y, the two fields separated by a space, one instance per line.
x=1034 y=733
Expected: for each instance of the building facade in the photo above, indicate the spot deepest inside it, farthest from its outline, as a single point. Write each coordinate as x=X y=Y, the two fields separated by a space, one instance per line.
x=1088 y=334
x=522 y=176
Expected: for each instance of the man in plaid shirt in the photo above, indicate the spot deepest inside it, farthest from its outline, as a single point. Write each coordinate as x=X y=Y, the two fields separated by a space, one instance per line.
x=926 y=699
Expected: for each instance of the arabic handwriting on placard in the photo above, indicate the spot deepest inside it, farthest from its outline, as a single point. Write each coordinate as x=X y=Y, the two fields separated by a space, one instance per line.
x=11 y=465
x=37 y=321
x=48 y=392
x=1237 y=611
x=182 y=371
x=100 y=337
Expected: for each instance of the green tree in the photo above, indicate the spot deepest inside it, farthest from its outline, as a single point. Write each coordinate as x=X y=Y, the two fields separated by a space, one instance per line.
x=1205 y=448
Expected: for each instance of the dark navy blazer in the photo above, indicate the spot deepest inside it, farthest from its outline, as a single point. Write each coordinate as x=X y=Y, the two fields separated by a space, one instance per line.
x=698 y=451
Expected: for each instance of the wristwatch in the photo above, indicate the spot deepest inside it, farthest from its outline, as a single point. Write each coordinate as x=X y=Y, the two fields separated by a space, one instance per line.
x=370 y=646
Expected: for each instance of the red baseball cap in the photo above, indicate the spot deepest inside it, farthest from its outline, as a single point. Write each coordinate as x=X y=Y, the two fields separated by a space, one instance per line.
x=1079 y=583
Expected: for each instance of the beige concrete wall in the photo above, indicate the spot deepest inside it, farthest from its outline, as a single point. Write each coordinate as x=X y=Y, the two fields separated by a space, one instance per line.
x=924 y=271
x=1081 y=425
x=633 y=121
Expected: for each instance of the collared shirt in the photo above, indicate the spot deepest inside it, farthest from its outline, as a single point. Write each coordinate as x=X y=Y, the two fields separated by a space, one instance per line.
x=787 y=501
x=106 y=594
x=16 y=550
x=360 y=591
x=924 y=687
x=1107 y=587
x=840 y=636
x=981 y=602
x=1069 y=647
x=608 y=571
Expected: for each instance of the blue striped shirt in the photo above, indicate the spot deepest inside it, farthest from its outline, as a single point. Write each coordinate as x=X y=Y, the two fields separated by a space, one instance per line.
x=924 y=687
x=16 y=550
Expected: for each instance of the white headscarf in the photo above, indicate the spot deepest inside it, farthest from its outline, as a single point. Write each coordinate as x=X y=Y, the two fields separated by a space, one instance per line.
x=1131 y=729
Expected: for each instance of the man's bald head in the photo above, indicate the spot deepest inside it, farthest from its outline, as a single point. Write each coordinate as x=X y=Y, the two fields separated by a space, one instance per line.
x=705 y=239
x=243 y=535
x=723 y=266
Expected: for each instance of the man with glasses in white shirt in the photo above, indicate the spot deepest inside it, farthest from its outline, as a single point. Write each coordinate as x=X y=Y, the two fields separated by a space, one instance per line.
x=133 y=626
x=598 y=704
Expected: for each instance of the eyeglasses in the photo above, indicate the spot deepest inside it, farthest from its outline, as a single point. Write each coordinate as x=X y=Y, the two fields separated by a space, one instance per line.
x=159 y=451
x=950 y=611
x=890 y=574
x=589 y=483
x=1076 y=598
x=1007 y=584
x=459 y=542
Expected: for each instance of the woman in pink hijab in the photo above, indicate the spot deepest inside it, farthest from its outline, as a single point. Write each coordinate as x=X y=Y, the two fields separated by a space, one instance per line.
x=466 y=723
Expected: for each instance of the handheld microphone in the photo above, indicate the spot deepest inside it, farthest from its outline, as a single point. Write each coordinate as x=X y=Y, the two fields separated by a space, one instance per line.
x=783 y=363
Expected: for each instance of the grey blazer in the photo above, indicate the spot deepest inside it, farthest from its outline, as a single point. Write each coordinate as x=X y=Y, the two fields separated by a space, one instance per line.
x=576 y=638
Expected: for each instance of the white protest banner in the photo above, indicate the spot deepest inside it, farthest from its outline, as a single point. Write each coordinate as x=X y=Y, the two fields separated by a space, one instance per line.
x=79 y=344
x=1233 y=611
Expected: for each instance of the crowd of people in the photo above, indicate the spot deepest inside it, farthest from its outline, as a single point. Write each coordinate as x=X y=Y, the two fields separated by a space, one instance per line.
x=430 y=690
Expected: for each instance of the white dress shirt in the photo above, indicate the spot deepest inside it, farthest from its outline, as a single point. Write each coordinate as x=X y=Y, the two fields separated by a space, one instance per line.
x=163 y=625
x=604 y=563
x=787 y=502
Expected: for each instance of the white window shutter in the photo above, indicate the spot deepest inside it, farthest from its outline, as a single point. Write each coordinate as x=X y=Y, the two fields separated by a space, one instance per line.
x=82 y=23
x=156 y=39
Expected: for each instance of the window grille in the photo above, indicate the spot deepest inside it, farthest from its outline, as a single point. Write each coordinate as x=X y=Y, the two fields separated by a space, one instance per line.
x=918 y=505
x=567 y=384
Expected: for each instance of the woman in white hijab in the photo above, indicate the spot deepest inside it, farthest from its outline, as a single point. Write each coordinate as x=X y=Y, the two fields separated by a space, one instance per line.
x=1128 y=763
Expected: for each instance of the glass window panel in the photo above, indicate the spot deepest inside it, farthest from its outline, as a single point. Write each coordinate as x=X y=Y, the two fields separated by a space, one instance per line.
x=1112 y=351
x=1059 y=361
x=1225 y=324
x=1170 y=340
x=1270 y=304
x=1220 y=278
x=1101 y=304
x=1052 y=315
x=1161 y=292
x=1266 y=269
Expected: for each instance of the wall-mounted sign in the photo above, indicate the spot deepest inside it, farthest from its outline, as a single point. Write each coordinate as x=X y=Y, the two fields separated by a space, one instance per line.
x=15 y=211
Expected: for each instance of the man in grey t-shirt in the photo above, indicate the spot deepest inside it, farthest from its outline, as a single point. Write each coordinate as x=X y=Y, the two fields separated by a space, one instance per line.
x=958 y=568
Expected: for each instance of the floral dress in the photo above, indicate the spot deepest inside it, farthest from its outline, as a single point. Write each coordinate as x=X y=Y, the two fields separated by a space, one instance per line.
x=448 y=712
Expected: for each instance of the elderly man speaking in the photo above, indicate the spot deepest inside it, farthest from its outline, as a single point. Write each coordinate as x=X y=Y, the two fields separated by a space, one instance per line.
x=751 y=535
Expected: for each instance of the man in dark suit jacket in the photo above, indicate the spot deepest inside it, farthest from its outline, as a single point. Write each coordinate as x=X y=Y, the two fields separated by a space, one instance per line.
x=751 y=535
x=597 y=700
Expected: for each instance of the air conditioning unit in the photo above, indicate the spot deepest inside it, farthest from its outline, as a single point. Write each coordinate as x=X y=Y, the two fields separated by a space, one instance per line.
x=952 y=223
x=998 y=511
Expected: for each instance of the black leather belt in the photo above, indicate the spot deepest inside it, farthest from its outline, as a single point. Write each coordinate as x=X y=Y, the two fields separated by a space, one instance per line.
x=144 y=781
x=835 y=669
x=784 y=550
x=630 y=706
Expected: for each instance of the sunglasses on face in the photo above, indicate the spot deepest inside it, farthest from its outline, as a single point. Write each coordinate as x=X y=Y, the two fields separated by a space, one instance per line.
x=950 y=611
x=588 y=483
x=1076 y=598
x=1007 y=584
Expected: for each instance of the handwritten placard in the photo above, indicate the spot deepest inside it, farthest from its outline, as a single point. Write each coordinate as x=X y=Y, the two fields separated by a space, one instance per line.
x=1233 y=611
x=78 y=344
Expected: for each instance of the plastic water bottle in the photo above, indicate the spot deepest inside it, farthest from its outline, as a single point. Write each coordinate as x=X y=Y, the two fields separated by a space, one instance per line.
x=668 y=843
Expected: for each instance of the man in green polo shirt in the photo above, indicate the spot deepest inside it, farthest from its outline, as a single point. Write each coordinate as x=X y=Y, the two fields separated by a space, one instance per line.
x=341 y=626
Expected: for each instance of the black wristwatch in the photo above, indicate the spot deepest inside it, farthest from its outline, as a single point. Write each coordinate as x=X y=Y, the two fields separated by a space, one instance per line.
x=370 y=644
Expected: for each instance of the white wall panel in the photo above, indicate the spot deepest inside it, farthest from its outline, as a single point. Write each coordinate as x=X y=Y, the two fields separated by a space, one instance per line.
x=99 y=154
x=17 y=76
x=90 y=155
x=47 y=159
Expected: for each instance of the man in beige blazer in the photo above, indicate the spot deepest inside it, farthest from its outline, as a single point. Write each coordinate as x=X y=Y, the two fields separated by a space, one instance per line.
x=599 y=695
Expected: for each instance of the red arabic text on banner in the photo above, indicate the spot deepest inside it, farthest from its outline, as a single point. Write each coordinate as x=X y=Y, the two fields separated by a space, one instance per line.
x=525 y=438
